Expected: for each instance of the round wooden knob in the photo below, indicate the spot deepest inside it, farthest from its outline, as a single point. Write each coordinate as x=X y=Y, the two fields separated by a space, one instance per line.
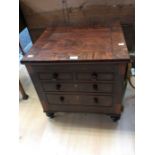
x=55 y=76
x=95 y=99
x=94 y=76
x=62 y=98
x=58 y=86
x=95 y=86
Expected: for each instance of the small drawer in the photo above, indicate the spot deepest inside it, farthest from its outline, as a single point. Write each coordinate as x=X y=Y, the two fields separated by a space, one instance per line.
x=95 y=76
x=73 y=99
x=55 y=76
x=96 y=100
x=49 y=86
x=79 y=87
x=61 y=99
x=95 y=87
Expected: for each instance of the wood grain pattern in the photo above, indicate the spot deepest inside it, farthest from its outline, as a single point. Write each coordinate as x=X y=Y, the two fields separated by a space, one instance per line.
x=102 y=43
x=92 y=81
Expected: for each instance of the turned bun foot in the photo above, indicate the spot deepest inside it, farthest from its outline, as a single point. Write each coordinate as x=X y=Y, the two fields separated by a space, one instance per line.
x=25 y=97
x=50 y=114
x=115 y=118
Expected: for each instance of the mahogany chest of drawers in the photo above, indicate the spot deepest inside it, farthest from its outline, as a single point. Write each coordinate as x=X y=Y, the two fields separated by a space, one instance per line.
x=80 y=70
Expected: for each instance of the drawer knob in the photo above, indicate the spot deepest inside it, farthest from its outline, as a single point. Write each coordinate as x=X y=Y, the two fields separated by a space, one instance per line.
x=95 y=86
x=55 y=76
x=95 y=99
x=62 y=98
x=58 y=86
x=94 y=76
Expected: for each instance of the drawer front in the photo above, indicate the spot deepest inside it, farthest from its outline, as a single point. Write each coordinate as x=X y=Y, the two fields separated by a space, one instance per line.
x=95 y=87
x=95 y=76
x=77 y=87
x=97 y=100
x=55 y=76
x=75 y=67
x=78 y=91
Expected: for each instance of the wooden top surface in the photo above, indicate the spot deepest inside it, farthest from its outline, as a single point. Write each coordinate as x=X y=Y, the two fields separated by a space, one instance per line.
x=79 y=44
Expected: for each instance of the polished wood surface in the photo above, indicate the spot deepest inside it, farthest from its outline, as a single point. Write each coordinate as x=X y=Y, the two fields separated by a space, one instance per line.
x=95 y=82
x=87 y=44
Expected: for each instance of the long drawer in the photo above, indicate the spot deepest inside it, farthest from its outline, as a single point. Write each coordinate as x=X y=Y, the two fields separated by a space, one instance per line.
x=77 y=87
x=85 y=99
